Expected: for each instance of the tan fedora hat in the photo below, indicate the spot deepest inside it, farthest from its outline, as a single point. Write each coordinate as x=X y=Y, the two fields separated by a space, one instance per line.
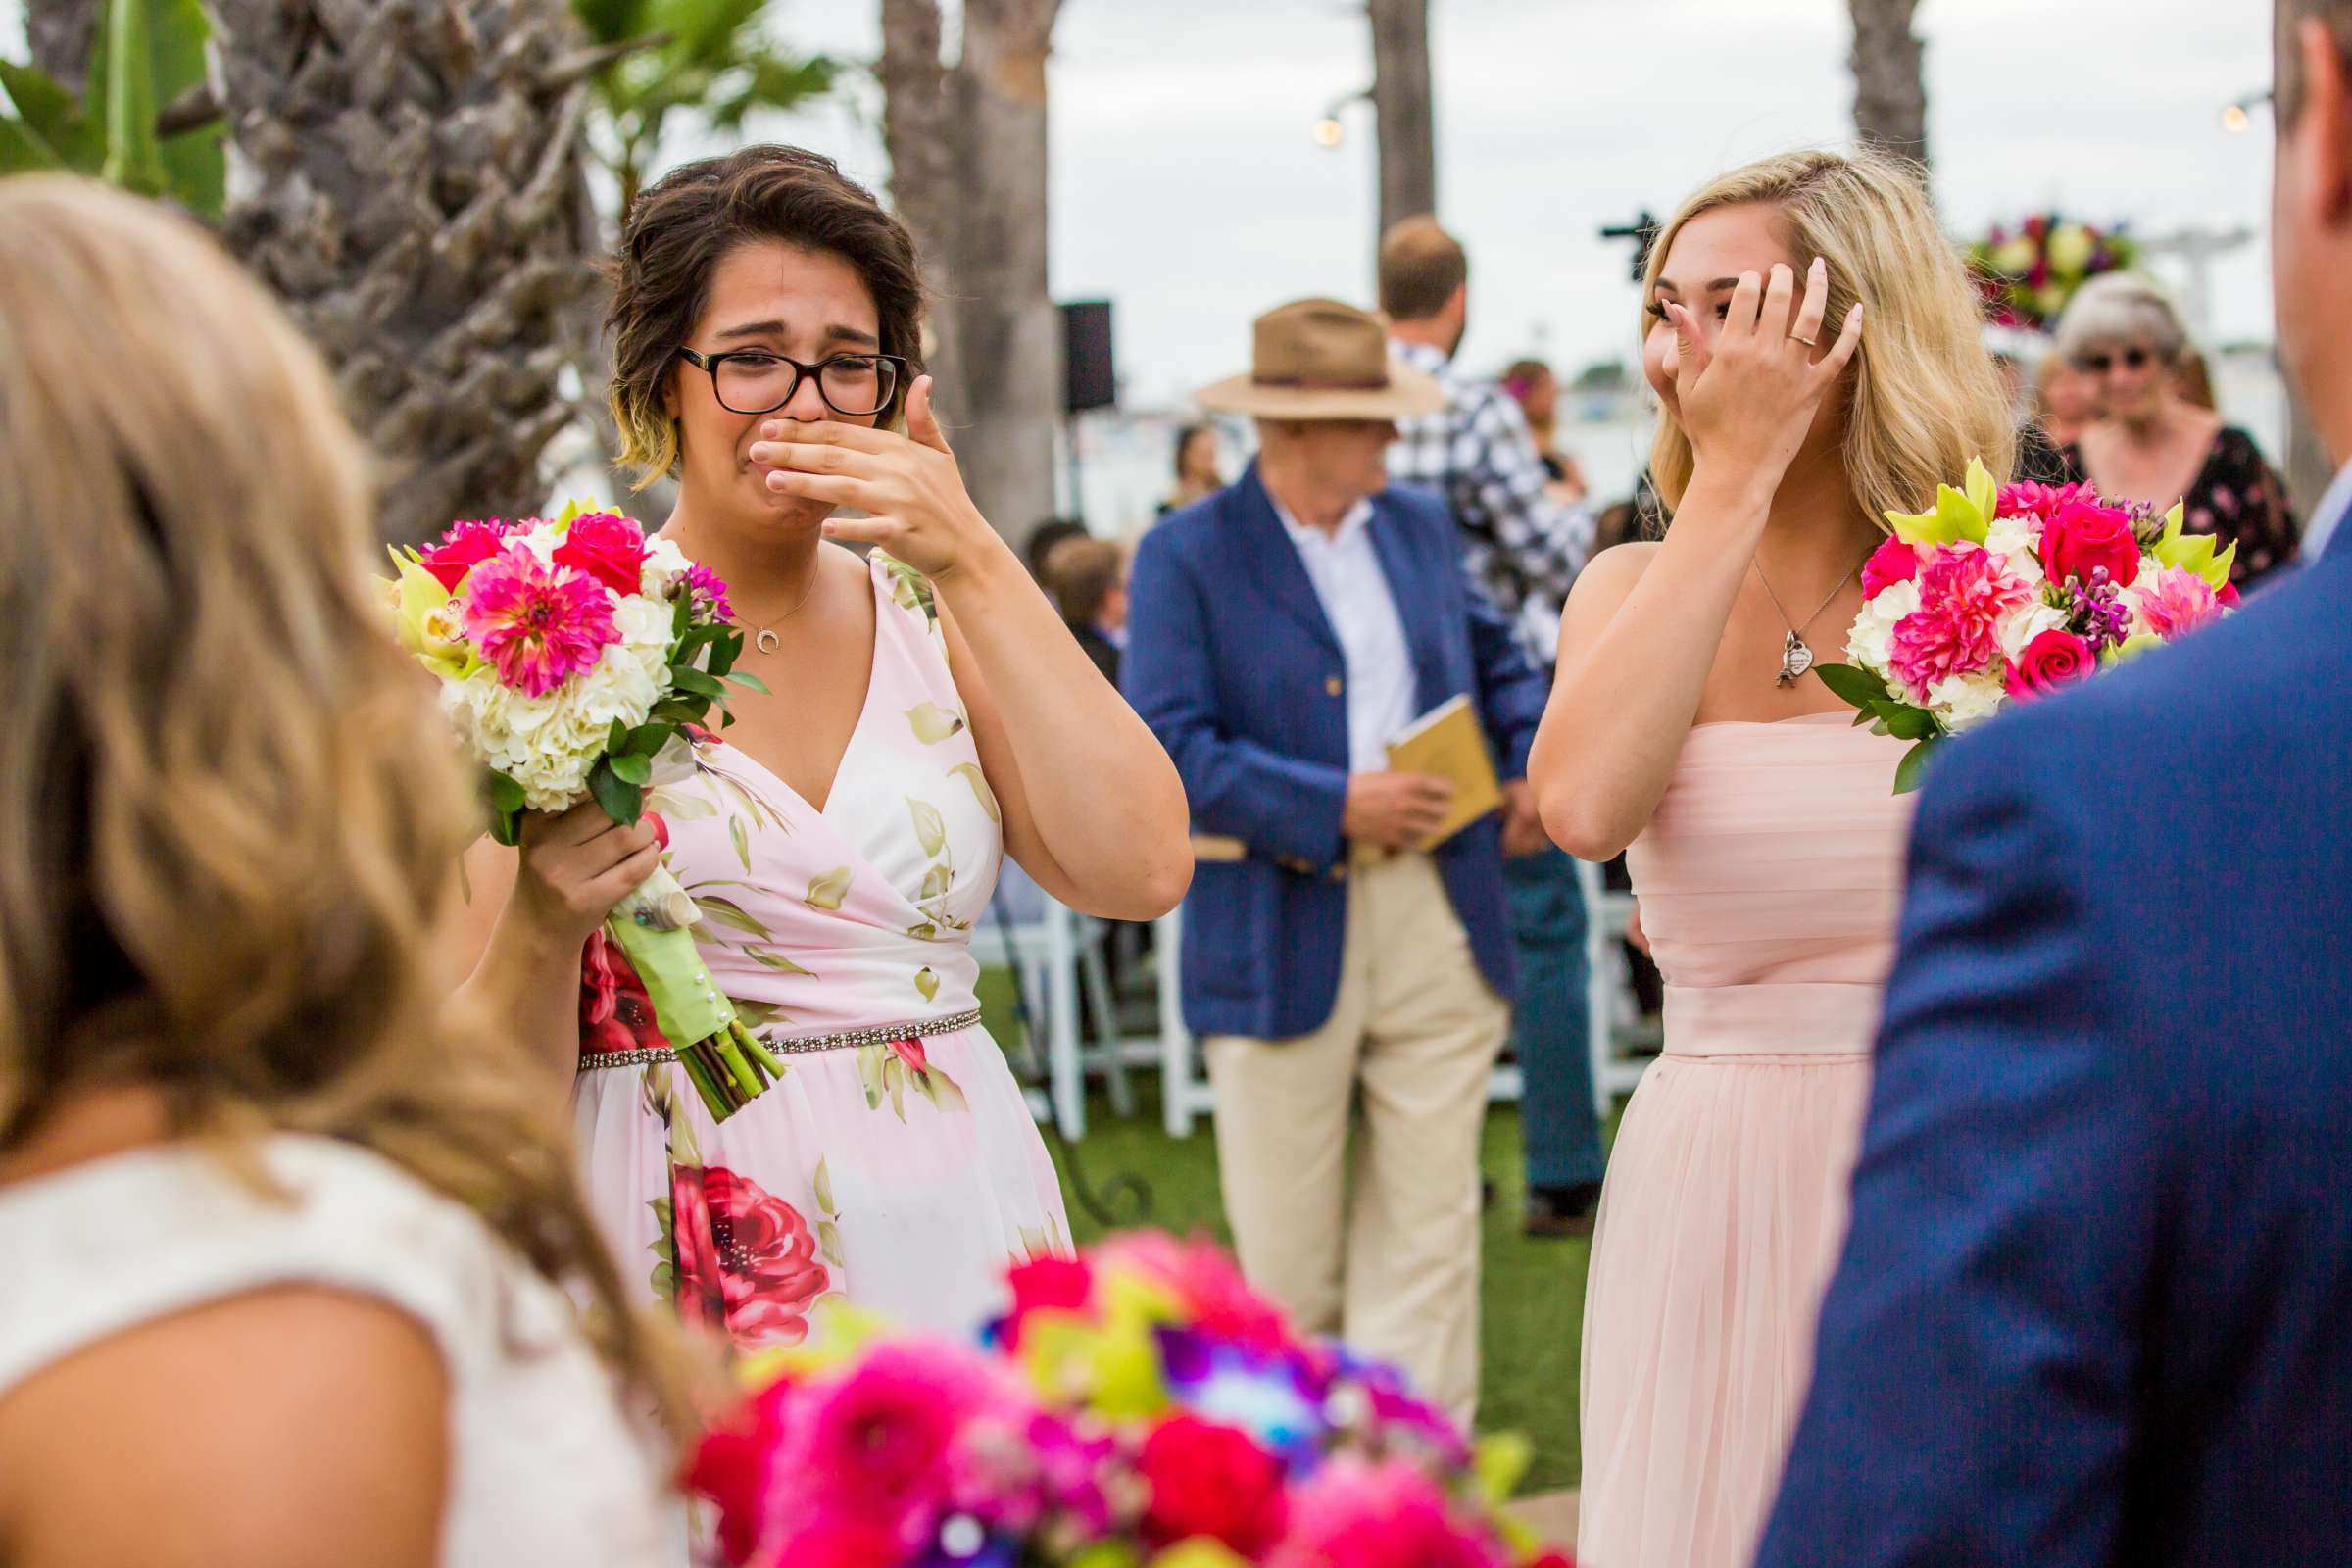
x=1322 y=360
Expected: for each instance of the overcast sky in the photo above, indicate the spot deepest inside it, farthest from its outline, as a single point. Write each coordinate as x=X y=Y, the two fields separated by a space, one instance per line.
x=1186 y=185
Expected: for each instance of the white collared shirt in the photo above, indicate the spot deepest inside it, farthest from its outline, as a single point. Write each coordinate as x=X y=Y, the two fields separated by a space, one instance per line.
x=2329 y=515
x=1379 y=662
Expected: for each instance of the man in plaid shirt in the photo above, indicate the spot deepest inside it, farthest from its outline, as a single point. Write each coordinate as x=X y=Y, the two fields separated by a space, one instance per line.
x=1523 y=546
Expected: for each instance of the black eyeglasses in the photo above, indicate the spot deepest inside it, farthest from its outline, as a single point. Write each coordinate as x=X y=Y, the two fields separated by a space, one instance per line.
x=2134 y=358
x=756 y=381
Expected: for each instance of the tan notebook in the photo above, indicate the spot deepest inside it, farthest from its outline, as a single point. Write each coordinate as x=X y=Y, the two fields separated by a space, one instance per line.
x=1447 y=740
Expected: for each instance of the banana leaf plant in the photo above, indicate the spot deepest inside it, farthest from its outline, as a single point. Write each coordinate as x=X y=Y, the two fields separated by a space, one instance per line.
x=141 y=121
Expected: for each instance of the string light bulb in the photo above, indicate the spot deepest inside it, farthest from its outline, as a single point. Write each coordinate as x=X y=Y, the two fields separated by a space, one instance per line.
x=1329 y=131
x=2234 y=120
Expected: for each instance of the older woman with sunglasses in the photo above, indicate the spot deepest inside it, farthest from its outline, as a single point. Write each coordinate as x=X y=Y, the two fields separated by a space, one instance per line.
x=2152 y=444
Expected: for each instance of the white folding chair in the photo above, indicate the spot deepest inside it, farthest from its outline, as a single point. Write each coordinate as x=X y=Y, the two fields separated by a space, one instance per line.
x=1611 y=1016
x=1056 y=951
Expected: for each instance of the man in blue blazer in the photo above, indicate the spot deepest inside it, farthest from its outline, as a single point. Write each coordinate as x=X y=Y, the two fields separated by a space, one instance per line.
x=2096 y=1304
x=1280 y=634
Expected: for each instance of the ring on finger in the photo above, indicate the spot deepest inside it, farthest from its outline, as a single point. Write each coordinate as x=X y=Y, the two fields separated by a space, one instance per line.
x=1809 y=342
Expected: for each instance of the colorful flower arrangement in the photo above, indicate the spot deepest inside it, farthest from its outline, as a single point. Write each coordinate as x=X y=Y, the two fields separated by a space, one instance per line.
x=2027 y=273
x=2006 y=595
x=571 y=655
x=1138 y=1406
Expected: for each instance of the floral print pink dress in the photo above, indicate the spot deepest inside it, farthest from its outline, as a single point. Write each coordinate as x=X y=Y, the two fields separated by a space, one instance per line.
x=895 y=1163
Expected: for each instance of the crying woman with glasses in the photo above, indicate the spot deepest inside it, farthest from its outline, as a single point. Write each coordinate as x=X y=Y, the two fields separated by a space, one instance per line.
x=2153 y=444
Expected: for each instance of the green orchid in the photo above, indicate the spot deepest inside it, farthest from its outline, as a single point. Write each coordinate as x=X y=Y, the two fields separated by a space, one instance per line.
x=2195 y=553
x=2130 y=648
x=1962 y=515
x=423 y=621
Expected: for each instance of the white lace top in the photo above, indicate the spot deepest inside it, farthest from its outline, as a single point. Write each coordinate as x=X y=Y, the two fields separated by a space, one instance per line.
x=544 y=1469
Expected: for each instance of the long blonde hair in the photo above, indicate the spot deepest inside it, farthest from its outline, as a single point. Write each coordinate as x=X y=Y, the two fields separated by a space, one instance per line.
x=230 y=817
x=1926 y=396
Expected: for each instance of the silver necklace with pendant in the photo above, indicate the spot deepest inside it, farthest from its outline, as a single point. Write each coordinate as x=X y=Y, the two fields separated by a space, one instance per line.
x=1796 y=655
x=765 y=638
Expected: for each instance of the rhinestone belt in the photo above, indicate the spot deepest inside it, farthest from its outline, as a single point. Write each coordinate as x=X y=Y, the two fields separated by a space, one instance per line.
x=797 y=1044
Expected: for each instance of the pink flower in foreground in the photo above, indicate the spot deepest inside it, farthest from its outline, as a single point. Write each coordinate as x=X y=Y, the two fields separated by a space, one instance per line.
x=876 y=1444
x=538 y=625
x=1350 y=1514
x=1046 y=1285
x=1891 y=563
x=2177 y=603
x=1963 y=596
x=1206 y=1280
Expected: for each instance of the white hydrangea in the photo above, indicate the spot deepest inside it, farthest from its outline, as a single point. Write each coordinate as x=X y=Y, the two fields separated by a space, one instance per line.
x=645 y=631
x=666 y=566
x=1963 y=701
x=549 y=744
x=2021 y=626
x=1873 y=630
x=2013 y=538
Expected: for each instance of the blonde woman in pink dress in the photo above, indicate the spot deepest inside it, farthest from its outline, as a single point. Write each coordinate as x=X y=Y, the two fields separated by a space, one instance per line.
x=1814 y=341
x=930 y=714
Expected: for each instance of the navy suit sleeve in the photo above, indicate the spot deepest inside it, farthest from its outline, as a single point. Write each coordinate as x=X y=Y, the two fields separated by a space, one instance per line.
x=1972 y=1401
x=1511 y=692
x=1285 y=808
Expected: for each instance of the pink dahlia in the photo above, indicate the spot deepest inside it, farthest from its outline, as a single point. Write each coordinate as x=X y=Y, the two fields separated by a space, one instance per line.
x=2029 y=500
x=877 y=1443
x=1963 y=597
x=539 y=625
x=2177 y=603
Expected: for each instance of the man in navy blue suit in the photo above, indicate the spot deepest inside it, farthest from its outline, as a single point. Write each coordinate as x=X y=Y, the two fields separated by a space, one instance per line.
x=2096 y=1304
x=1280 y=634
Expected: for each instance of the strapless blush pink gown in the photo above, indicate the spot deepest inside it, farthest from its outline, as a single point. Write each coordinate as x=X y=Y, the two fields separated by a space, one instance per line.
x=1768 y=881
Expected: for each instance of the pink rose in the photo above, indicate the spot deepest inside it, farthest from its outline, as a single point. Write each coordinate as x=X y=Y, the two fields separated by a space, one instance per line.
x=2080 y=538
x=2056 y=658
x=465 y=546
x=1891 y=563
x=607 y=547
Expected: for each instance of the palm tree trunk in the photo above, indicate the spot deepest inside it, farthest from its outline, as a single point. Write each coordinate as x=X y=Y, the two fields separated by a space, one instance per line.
x=60 y=32
x=1890 y=95
x=408 y=176
x=967 y=146
x=1401 y=104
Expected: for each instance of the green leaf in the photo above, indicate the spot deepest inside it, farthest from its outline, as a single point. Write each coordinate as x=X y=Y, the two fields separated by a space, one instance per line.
x=623 y=801
x=694 y=681
x=741 y=840
x=1913 y=767
x=618 y=737
x=646 y=739
x=926 y=981
x=1851 y=683
x=775 y=960
x=21 y=152
x=925 y=932
x=53 y=118
x=829 y=889
x=505 y=793
x=134 y=161
x=970 y=773
x=1904 y=720
x=930 y=828
x=937 y=881
x=725 y=648
x=752 y=683
x=828 y=1242
x=632 y=767
x=822 y=1181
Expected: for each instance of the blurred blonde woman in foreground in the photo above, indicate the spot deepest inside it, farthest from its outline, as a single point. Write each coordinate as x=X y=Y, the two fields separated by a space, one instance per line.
x=1816 y=347
x=287 y=1254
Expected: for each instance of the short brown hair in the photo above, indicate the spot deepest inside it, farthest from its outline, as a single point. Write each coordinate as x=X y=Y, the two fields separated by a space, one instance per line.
x=2287 y=64
x=1082 y=573
x=1420 y=268
x=684 y=224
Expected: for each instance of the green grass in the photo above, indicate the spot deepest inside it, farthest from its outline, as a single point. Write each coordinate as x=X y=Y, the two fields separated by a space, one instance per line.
x=1532 y=1291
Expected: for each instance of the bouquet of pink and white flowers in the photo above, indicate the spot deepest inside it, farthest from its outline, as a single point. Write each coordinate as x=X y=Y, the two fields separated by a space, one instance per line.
x=1139 y=1406
x=571 y=655
x=2004 y=595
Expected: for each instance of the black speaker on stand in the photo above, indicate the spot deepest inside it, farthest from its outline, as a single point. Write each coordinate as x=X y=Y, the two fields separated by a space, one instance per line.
x=1089 y=379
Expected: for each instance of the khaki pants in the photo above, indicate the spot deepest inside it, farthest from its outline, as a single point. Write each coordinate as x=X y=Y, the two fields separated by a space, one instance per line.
x=1407 y=1054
